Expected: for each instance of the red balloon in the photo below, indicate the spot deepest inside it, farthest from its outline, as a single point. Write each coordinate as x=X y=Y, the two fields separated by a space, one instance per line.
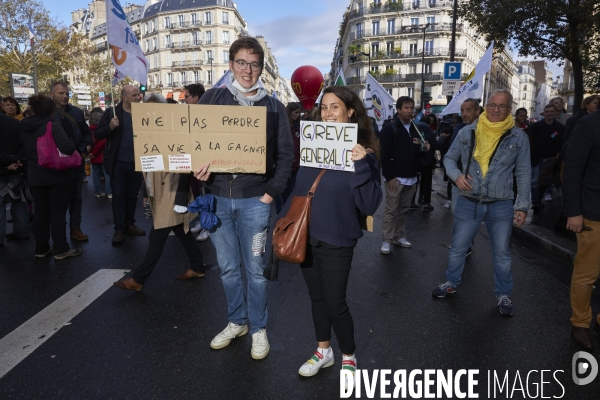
x=307 y=82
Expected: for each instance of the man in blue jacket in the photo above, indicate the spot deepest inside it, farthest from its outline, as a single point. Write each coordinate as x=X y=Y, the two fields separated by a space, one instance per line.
x=73 y=122
x=491 y=148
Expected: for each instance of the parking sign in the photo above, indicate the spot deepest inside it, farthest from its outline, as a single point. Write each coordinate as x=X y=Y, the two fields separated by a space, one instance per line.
x=452 y=71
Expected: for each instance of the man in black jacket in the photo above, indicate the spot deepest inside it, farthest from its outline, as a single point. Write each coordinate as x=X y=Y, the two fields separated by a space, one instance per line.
x=546 y=142
x=119 y=163
x=401 y=146
x=72 y=120
x=581 y=196
x=11 y=159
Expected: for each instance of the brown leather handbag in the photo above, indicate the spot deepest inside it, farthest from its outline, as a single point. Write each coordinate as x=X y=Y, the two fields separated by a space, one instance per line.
x=290 y=236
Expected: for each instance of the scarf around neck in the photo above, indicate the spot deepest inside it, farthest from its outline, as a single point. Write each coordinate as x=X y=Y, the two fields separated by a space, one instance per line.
x=238 y=93
x=488 y=135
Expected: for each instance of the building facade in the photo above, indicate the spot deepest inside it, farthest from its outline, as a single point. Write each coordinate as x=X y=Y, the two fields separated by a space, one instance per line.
x=185 y=41
x=566 y=89
x=528 y=88
x=391 y=40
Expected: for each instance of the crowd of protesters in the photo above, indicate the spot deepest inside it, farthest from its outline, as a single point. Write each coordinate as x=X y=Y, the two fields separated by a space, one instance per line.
x=510 y=174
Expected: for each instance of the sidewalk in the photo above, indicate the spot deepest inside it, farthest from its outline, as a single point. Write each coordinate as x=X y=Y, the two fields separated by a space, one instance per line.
x=540 y=232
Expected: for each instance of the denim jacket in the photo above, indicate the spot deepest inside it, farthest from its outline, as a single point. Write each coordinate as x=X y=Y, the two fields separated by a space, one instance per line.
x=512 y=154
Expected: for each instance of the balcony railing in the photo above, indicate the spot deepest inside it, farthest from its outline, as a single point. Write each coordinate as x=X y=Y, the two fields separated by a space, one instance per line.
x=436 y=52
x=185 y=82
x=186 y=63
x=100 y=47
x=185 y=44
x=436 y=27
x=401 y=6
x=185 y=25
x=390 y=78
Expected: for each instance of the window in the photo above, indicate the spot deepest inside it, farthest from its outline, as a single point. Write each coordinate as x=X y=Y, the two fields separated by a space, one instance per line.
x=225 y=17
x=208 y=18
x=196 y=77
x=431 y=22
x=389 y=91
x=374 y=48
x=524 y=96
x=225 y=56
x=428 y=68
x=181 y=20
x=375 y=27
x=432 y=3
x=525 y=88
x=168 y=41
x=145 y=28
x=356 y=71
x=414 y=21
x=194 y=19
x=208 y=56
x=195 y=38
x=411 y=92
x=154 y=44
x=167 y=22
x=152 y=26
x=375 y=69
x=415 y=3
x=429 y=48
x=412 y=68
x=209 y=77
x=208 y=39
x=225 y=37
x=146 y=46
x=359 y=31
x=389 y=46
x=413 y=49
x=391 y=25
x=170 y=79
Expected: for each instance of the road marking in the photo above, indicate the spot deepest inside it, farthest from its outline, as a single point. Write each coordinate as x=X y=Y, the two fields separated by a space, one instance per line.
x=21 y=342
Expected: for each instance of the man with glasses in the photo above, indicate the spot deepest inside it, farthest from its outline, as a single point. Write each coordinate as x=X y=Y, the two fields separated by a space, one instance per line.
x=119 y=163
x=491 y=148
x=244 y=202
x=193 y=93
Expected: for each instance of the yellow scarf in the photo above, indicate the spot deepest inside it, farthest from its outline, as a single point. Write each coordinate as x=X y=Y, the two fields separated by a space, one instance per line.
x=487 y=136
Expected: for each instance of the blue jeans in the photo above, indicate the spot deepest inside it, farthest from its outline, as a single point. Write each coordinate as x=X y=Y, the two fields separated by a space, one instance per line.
x=241 y=236
x=18 y=210
x=498 y=218
x=97 y=171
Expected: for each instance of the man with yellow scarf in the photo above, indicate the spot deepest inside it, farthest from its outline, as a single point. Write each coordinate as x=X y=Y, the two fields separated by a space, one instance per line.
x=491 y=148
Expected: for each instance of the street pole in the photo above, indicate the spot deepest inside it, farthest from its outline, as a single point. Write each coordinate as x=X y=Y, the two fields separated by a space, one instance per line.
x=453 y=40
x=35 y=81
x=423 y=69
x=212 y=78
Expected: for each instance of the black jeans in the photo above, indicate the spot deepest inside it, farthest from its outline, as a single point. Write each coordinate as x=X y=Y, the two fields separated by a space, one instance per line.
x=426 y=181
x=157 y=240
x=326 y=271
x=76 y=202
x=125 y=184
x=51 y=203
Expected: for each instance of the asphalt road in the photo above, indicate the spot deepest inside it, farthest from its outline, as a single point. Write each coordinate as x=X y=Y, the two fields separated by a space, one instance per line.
x=155 y=344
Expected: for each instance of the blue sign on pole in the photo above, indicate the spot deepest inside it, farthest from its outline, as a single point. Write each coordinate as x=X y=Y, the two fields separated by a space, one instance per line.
x=452 y=71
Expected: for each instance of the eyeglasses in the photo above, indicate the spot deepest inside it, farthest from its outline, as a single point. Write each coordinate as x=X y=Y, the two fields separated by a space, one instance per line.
x=254 y=66
x=501 y=107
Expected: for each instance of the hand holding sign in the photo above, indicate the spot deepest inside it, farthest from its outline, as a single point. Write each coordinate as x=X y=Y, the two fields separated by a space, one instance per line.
x=358 y=152
x=202 y=174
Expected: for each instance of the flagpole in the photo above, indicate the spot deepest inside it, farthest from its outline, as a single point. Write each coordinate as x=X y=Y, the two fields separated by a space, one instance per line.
x=112 y=88
x=35 y=81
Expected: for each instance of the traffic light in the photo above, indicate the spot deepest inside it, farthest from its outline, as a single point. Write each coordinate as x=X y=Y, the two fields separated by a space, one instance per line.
x=142 y=89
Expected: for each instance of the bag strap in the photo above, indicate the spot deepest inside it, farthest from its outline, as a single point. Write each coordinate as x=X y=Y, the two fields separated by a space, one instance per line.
x=313 y=188
x=69 y=116
x=471 y=151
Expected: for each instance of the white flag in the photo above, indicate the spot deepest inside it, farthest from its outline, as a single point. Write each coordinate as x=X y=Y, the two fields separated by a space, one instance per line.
x=472 y=88
x=127 y=55
x=378 y=102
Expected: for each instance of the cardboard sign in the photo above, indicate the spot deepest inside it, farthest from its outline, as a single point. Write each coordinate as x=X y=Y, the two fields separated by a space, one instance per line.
x=232 y=139
x=327 y=145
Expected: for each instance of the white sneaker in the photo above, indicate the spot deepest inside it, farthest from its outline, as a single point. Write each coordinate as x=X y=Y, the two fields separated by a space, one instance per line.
x=203 y=235
x=227 y=335
x=99 y=195
x=529 y=218
x=350 y=364
x=385 y=248
x=548 y=197
x=196 y=228
x=403 y=242
x=448 y=205
x=110 y=196
x=260 y=345
x=315 y=363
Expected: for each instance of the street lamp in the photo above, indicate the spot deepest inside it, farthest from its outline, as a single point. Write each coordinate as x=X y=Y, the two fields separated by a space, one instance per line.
x=211 y=70
x=423 y=69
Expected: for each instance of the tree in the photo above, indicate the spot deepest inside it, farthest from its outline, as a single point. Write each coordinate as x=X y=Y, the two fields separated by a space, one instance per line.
x=551 y=29
x=15 y=50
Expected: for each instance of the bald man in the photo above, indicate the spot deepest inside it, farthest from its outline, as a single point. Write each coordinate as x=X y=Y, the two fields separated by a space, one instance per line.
x=119 y=163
